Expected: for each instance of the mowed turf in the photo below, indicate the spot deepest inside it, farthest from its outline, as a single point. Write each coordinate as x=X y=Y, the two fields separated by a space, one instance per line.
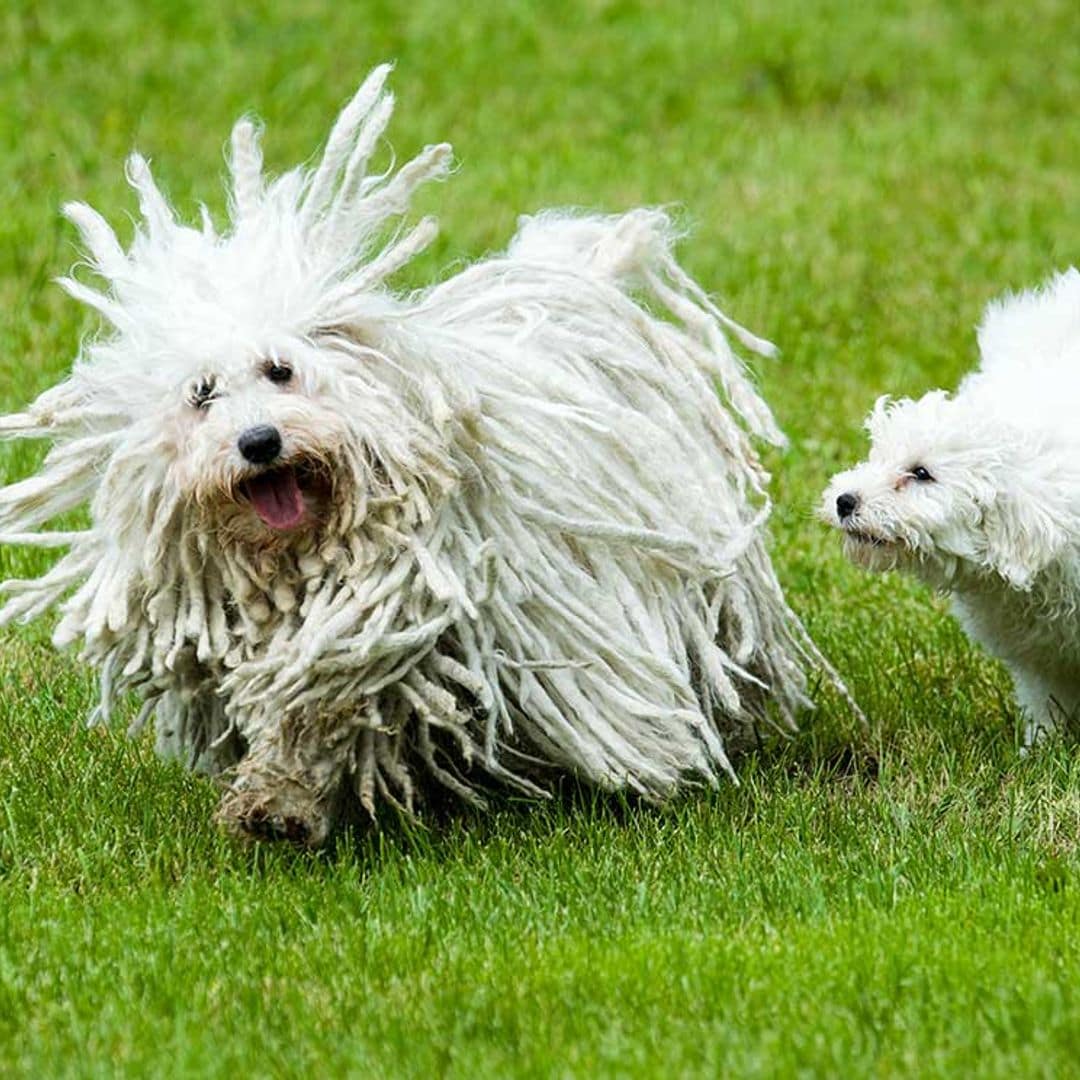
x=858 y=181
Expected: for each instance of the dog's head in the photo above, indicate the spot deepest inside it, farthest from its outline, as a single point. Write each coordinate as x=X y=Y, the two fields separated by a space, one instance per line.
x=272 y=447
x=952 y=491
x=256 y=383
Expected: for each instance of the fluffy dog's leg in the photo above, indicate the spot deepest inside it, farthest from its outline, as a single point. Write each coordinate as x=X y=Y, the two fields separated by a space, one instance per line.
x=289 y=784
x=1043 y=706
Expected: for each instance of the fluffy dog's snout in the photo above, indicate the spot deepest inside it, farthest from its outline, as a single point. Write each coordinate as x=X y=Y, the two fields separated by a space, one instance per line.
x=260 y=444
x=846 y=504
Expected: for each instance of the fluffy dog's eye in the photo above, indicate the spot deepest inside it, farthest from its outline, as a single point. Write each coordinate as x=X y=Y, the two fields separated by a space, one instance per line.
x=277 y=371
x=922 y=474
x=203 y=392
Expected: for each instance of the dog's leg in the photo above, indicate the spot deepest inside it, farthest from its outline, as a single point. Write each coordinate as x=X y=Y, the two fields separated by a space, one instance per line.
x=1042 y=706
x=289 y=784
x=1038 y=727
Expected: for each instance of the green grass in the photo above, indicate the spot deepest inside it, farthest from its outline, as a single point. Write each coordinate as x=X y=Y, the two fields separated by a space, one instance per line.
x=860 y=180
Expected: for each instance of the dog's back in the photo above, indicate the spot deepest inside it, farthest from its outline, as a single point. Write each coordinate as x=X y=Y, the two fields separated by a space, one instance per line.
x=1026 y=336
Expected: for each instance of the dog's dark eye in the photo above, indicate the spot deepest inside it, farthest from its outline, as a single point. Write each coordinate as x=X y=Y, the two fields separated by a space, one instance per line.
x=922 y=474
x=203 y=392
x=277 y=372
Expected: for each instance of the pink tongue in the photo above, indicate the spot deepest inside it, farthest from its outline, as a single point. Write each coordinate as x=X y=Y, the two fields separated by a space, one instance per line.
x=277 y=498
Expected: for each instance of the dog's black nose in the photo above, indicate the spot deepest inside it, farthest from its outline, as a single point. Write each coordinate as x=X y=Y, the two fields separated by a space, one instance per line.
x=260 y=444
x=845 y=505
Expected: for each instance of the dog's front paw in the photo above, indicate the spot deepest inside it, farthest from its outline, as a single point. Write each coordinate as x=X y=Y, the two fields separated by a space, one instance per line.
x=287 y=812
x=1037 y=732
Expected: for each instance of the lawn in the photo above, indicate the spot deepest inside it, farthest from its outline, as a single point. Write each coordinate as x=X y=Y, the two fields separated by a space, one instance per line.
x=858 y=181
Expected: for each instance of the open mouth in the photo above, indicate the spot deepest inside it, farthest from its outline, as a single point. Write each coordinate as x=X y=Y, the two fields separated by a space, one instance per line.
x=277 y=496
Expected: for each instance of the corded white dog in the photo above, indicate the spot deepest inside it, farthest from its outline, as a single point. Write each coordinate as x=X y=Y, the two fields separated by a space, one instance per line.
x=979 y=495
x=343 y=538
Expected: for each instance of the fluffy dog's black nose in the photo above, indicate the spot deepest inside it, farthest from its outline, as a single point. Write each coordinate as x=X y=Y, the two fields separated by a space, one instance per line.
x=260 y=444
x=845 y=505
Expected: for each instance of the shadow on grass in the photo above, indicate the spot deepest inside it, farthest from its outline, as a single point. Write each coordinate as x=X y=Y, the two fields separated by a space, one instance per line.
x=807 y=760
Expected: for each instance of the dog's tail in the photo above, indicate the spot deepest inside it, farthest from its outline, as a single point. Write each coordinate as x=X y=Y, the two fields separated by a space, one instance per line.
x=635 y=252
x=629 y=248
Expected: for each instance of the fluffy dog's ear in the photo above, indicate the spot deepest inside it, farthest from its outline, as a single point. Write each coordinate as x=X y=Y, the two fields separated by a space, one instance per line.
x=1023 y=536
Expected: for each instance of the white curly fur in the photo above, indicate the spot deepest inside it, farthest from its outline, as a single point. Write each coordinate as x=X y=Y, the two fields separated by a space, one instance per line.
x=997 y=525
x=531 y=535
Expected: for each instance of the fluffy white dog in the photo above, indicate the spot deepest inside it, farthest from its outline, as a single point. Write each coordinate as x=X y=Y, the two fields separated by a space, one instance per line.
x=979 y=494
x=343 y=538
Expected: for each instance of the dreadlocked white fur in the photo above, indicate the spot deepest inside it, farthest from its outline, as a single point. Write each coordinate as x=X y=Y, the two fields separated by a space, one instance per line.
x=531 y=534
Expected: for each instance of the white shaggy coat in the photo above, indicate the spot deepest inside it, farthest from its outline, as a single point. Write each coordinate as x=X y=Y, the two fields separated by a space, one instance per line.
x=510 y=525
x=978 y=493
